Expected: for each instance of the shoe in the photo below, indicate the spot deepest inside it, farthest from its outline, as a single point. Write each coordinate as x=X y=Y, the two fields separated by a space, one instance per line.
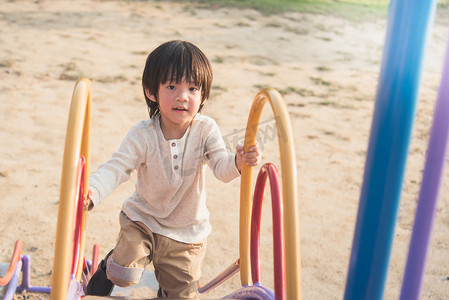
x=99 y=284
x=161 y=293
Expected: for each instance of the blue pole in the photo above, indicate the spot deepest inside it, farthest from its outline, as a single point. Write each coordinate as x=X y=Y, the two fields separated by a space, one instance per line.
x=396 y=99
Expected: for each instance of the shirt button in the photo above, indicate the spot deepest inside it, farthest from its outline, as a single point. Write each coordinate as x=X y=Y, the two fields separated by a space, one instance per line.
x=175 y=167
x=173 y=144
x=175 y=156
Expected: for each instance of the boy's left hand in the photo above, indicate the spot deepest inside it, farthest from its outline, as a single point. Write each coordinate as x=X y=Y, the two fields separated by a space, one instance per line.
x=87 y=201
x=251 y=157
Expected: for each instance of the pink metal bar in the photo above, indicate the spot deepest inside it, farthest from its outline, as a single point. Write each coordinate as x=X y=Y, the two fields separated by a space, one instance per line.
x=225 y=275
x=95 y=254
x=12 y=265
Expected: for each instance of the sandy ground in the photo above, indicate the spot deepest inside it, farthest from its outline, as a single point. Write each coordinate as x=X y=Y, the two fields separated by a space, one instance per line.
x=326 y=68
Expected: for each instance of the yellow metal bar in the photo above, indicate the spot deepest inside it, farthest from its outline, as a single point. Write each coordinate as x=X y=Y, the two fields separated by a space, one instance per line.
x=77 y=142
x=85 y=151
x=245 y=191
x=289 y=192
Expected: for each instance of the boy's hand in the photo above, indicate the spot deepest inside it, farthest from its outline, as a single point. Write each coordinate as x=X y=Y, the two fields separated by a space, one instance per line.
x=251 y=158
x=87 y=202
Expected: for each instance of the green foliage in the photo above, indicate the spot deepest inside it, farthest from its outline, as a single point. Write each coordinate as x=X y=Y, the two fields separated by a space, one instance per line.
x=352 y=9
x=347 y=8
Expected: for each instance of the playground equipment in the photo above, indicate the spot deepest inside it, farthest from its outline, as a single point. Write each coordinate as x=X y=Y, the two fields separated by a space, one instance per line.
x=408 y=24
x=71 y=226
x=75 y=166
x=289 y=192
x=12 y=274
x=22 y=265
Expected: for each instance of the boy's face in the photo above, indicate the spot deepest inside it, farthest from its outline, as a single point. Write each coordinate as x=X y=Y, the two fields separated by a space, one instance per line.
x=178 y=102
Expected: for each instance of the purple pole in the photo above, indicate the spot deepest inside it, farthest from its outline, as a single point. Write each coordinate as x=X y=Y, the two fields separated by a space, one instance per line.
x=26 y=273
x=428 y=196
x=254 y=292
x=26 y=283
x=12 y=285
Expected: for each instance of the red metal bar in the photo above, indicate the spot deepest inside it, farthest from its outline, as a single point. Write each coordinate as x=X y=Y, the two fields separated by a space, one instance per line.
x=256 y=217
x=78 y=215
x=12 y=265
x=269 y=170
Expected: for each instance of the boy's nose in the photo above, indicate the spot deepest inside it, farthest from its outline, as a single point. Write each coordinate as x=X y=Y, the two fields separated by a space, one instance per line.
x=182 y=96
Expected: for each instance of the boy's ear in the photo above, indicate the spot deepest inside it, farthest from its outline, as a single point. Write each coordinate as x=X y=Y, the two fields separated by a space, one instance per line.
x=149 y=95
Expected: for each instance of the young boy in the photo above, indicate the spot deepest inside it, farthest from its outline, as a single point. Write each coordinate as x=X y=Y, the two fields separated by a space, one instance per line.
x=166 y=220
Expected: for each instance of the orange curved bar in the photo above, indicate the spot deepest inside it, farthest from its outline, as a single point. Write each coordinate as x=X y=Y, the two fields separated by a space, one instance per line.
x=77 y=143
x=289 y=192
x=13 y=263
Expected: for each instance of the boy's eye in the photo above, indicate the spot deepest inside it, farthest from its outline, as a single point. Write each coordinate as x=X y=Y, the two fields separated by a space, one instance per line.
x=171 y=87
x=193 y=89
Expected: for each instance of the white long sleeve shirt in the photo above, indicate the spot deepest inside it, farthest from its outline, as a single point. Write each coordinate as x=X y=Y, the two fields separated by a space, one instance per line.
x=170 y=197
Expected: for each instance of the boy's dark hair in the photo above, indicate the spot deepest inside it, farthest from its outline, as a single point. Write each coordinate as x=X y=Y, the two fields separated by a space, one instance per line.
x=172 y=61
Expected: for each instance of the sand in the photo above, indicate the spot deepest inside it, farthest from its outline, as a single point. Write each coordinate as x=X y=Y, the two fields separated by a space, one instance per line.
x=326 y=67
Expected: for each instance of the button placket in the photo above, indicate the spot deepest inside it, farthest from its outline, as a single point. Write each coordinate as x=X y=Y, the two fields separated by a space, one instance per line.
x=175 y=154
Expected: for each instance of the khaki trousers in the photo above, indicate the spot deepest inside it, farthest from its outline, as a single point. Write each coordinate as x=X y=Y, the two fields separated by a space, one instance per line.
x=177 y=265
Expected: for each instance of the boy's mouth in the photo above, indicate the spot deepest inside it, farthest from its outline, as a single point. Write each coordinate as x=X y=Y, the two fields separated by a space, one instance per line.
x=180 y=109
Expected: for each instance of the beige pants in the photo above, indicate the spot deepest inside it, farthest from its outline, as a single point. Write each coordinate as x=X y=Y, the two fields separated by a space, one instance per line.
x=176 y=265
